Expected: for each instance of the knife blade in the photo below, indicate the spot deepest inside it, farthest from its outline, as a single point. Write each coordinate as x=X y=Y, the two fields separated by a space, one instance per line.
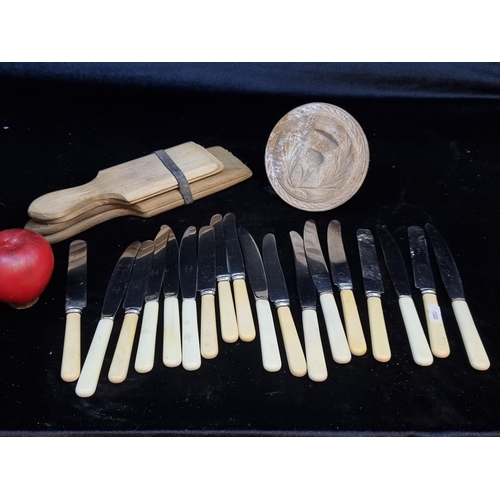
x=76 y=301
x=236 y=267
x=227 y=314
x=419 y=346
x=321 y=278
x=271 y=358
x=132 y=304
x=341 y=276
x=450 y=276
x=206 y=287
x=278 y=293
x=315 y=356
x=188 y=275
x=424 y=281
x=172 y=350
x=374 y=288
x=144 y=359
x=91 y=369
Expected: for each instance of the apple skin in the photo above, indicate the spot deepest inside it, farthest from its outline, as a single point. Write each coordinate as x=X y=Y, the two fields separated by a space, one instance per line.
x=26 y=265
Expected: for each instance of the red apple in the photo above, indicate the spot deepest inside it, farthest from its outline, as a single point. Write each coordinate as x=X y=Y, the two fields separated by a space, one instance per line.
x=26 y=265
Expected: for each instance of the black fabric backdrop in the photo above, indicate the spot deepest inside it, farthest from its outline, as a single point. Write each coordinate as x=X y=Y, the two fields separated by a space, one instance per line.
x=433 y=137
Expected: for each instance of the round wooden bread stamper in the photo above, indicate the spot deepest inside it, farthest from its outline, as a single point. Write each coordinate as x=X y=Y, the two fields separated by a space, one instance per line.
x=317 y=157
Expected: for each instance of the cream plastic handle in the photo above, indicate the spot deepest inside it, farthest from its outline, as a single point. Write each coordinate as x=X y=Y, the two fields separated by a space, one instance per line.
x=123 y=350
x=208 y=327
x=378 y=331
x=191 y=358
x=91 y=370
x=419 y=346
x=316 y=364
x=228 y=323
x=145 y=357
x=172 y=352
x=293 y=349
x=336 y=334
x=470 y=336
x=353 y=328
x=246 y=325
x=435 y=327
x=271 y=359
x=71 y=358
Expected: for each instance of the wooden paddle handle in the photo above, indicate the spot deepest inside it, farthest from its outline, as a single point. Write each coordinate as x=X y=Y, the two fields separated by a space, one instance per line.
x=208 y=327
x=246 y=326
x=271 y=359
x=228 y=323
x=353 y=328
x=316 y=364
x=145 y=357
x=470 y=336
x=123 y=351
x=378 y=331
x=191 y=358
x=435 y=327
x=336 y=334
x=71 y=358
x=293 y=349
x=172 y=351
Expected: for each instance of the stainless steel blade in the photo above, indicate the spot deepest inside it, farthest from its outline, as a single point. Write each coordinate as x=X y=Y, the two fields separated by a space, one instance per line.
x=394 y=262
x=76 y=284
x=421 y=264
x=446 y=264
x=372 y=279
x=235 y=261
x=305 y=286
x=136 y=289
x=119 y=280
x=315 y=259
x=158 y=266
x=341 y=274
x=206 y=260
x=221 y=269
x=188 y=263
x=253 y=264
x=278 y=291
x=171 y=274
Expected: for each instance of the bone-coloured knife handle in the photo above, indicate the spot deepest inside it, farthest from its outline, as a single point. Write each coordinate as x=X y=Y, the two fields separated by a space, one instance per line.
x=419 y=346
x=435 y=327
x=172 y=351
x=353 y=328
x=228 y=323
x=123 y=350
x=91 y=369
x=271 y=359
x=336 y=334
x=145 y=357
x=316 y=363
x=71 y=358
x=208 y=327
x=191 y=357
x=246 y=325
x=470 y=336
x=293 y=349
x=378 y=331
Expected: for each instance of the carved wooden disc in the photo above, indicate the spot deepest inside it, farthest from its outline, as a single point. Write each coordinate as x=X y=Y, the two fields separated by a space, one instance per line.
x=317 y=157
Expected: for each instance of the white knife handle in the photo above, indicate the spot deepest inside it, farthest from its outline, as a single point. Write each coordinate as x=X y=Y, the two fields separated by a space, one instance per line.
x=191 y=358
x=437 y=334
x=70 y=366
x=91 y=369
x=172 y=353
x=271 y=359
x=316 y=364
x=353 y=328
x=208 y=327
x=336 y=334
x=145 y=357
x=123 y=350
x=293 y=349
x=228 y=323
x=378 y=331
x=419 y=346
x=246 y=325
x=470 y=336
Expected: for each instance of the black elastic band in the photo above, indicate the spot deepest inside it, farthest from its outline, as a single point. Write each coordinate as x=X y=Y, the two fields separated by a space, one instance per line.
x=178 y=174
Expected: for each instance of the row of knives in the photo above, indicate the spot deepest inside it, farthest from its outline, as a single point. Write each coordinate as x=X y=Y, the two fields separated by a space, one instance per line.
x=218 y=260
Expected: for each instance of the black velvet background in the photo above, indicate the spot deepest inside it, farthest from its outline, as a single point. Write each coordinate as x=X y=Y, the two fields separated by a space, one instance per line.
x=432 y=160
